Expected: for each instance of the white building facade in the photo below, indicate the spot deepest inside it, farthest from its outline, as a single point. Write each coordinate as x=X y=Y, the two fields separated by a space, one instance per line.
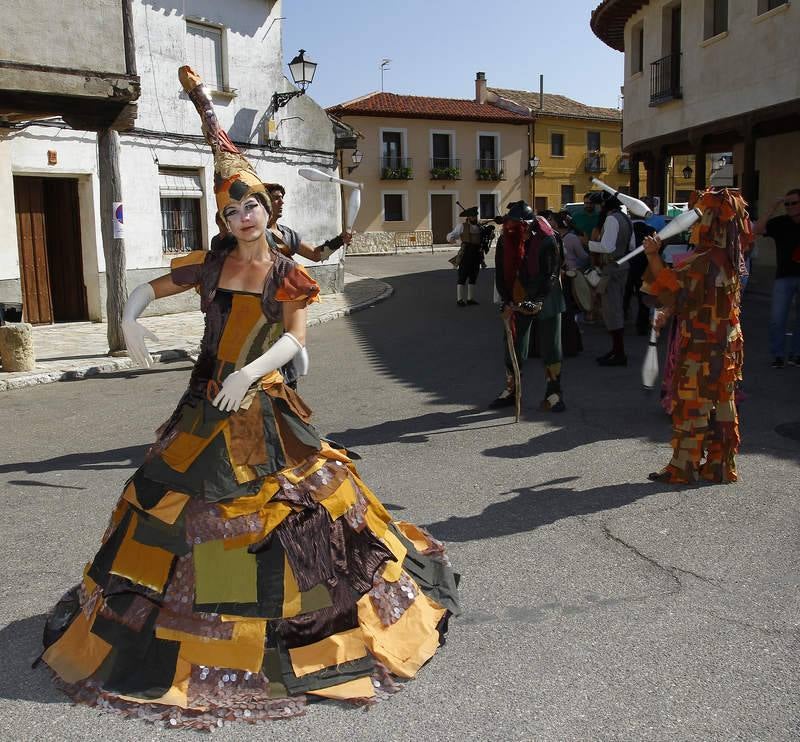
x=705 y=76
x=166 y=168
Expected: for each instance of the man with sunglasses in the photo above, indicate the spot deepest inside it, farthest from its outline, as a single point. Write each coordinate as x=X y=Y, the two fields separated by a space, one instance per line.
x=785 y=230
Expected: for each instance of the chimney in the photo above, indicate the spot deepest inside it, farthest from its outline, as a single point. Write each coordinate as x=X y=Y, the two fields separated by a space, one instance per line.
x=480 y=87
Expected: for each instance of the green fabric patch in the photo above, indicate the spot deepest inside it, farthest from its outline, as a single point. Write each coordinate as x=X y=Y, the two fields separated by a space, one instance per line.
x=316 y=598
x=434 y=578
x=325 y=678
x=224 y=575
x=152 y=531
x=145 y=676
x=101 y=564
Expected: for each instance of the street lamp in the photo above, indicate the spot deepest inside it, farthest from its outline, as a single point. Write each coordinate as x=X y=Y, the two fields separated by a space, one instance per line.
x=302 y=70
x=533 y=163
x=357 y=156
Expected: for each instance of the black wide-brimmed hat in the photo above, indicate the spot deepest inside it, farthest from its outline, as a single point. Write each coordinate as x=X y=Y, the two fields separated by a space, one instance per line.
x=519 y=211
x=472 y=211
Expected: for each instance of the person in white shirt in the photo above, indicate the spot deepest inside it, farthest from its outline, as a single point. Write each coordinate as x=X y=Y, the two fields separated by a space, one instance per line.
x=470 y=256
x=616 y=239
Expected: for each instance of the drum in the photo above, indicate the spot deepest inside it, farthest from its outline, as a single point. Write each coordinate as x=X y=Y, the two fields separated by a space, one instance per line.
x=582 y=291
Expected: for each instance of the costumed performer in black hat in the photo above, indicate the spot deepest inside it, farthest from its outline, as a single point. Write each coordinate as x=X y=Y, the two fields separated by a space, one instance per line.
x=527 y=277
x=470 y=256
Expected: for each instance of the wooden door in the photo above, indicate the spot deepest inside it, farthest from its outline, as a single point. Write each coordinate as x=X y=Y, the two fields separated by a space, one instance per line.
x=64 y=253
x=441 y=217
x=37 y=303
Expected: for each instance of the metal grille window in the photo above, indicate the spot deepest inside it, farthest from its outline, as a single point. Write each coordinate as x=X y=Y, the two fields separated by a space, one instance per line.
x=180 y=225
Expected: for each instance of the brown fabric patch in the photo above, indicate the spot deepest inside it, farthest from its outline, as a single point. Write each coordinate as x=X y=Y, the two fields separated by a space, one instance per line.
x=247 y=444
x=292 y=399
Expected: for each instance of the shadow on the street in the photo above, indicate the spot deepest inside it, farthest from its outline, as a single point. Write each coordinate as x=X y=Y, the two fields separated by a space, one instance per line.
x=422 y=340
x=164 y=367
x=20 y=644
x=114 y=458
x=420 y=429
x=539 y=505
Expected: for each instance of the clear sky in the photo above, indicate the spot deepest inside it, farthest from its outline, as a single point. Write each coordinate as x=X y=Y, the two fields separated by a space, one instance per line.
x=437 y=46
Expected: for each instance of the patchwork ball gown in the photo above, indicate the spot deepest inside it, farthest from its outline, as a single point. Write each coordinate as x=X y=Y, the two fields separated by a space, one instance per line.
x=247 y=568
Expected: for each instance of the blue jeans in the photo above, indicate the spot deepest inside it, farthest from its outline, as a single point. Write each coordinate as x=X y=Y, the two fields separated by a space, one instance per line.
x=784 y=290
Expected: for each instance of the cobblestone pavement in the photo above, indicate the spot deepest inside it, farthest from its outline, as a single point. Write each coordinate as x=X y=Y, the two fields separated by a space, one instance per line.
x=74 y=350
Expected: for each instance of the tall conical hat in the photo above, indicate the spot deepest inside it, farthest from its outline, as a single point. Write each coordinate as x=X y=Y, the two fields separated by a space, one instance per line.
x=234 y=177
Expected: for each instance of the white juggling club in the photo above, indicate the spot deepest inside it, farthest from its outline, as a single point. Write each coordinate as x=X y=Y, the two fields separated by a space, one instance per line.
x=353 y=205
x=634 y=205
x=679 y=224
x=650 y=365
x=310 y=173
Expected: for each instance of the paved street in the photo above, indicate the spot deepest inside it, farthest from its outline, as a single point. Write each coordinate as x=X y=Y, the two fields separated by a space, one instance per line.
x=599 y=605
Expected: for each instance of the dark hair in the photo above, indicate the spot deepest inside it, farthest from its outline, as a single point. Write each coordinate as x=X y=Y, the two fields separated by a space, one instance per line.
x=793 y=192
x=563 y=220
x=276 y=187
x=546 y=213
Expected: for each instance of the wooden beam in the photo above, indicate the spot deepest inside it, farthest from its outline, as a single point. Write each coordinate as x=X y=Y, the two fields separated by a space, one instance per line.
x=108 y=148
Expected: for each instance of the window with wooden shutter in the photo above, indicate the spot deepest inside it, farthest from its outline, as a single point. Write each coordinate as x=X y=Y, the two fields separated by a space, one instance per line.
x=204 y=50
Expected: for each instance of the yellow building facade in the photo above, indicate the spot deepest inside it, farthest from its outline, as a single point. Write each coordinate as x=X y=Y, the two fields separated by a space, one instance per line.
x=572 y=142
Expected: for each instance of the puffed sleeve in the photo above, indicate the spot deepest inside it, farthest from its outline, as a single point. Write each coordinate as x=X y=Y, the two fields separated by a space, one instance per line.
x=297 y=285
x=185 y=270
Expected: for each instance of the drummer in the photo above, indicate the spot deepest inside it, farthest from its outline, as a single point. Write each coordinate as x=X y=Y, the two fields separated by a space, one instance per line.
x=575 y=256
x=576 y=260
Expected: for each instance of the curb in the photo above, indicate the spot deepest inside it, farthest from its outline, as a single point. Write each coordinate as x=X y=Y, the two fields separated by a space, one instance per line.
x=172 y=354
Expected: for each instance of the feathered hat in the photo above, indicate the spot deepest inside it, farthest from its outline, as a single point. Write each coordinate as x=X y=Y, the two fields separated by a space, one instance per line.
x=234 y=177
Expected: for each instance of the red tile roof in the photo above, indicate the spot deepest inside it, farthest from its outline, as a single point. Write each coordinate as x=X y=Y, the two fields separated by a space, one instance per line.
x=558 y=105
x=422 y=107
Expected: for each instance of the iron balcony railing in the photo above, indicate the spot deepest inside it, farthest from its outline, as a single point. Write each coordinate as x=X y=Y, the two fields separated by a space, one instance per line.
x=445 y=168
x=595 y=162
x=624 y=165
x=396 y=168
x=486 y=169
x=665 y=79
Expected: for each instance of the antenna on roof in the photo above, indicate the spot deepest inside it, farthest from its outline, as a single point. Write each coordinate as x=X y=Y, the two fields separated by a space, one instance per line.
x=384 y=66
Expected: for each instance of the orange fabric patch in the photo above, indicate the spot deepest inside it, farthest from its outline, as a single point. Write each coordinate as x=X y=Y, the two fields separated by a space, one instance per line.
x=146 y=565
x=78 y=652
x=408 y=643
x=298 y=285
x=328 y=652
x=245 y=312
x=195 y=257
x=244 y=651
x=358 y=688
x=181 y=453
x=168 y=508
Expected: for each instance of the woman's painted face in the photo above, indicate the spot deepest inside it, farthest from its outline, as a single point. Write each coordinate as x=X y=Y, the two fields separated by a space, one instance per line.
x=247 y=219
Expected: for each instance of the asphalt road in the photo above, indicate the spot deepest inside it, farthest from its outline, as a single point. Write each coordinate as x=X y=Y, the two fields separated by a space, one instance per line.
x=598 y=605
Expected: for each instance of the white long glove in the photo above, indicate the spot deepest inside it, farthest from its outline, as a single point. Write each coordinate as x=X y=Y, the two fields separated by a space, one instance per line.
x=301 y=362
x=236 y=385
x=133 y=331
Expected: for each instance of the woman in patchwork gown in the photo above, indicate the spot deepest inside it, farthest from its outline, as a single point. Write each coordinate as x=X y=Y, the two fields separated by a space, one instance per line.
x=246 y=568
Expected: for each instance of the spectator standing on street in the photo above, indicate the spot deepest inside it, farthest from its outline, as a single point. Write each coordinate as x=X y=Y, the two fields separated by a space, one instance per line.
x=586 y=221
x=785 y=230
x=616 y=239
x=469 y=257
